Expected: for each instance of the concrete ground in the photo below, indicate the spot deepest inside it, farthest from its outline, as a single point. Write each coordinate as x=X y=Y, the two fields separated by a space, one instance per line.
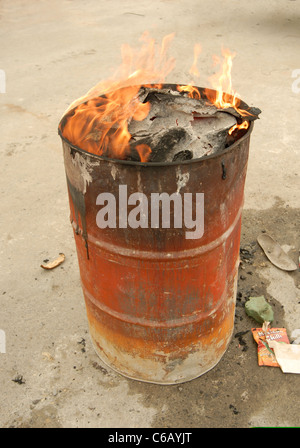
x=52 y=52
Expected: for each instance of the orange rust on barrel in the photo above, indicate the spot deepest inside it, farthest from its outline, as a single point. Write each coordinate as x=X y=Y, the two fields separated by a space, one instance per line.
x=140 y=347
x=160 y=307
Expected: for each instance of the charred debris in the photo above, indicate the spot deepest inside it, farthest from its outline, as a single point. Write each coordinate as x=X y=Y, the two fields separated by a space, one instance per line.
x=180 y=128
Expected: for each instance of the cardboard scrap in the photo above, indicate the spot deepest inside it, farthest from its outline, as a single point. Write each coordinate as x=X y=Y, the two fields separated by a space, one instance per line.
x=287 y=356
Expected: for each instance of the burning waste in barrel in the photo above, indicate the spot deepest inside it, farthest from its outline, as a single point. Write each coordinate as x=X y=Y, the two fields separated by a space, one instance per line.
x=142 y=158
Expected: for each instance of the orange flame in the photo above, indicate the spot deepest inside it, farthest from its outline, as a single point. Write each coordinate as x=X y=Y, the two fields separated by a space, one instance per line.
x=243 y=125
x=194 y=69
x=98 y=121
x=144 y=152
x=223 y=96
x=193 y=92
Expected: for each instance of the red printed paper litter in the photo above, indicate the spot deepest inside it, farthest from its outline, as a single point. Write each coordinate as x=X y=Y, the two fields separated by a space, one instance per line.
x=263 y=336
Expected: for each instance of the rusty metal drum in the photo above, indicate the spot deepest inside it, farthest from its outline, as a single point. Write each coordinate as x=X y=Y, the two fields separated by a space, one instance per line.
x=160 y=306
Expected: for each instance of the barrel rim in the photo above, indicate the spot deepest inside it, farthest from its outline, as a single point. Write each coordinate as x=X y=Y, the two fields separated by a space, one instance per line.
x=162 y=164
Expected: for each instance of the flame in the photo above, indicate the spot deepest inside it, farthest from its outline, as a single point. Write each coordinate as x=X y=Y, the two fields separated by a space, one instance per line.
x=194 y=69
x=98 y=121
x=144 y=152
x=223 y=96
x=193 y=92
x=243 y=125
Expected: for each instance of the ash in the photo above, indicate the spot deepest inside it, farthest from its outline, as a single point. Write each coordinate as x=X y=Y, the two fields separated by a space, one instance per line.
x=180 y=128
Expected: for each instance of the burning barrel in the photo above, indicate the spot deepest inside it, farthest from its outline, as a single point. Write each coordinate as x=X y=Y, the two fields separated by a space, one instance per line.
x=158 y=244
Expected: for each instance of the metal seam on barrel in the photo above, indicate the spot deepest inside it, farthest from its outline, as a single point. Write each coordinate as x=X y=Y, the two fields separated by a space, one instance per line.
x=143 y=254
x=149 y=323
